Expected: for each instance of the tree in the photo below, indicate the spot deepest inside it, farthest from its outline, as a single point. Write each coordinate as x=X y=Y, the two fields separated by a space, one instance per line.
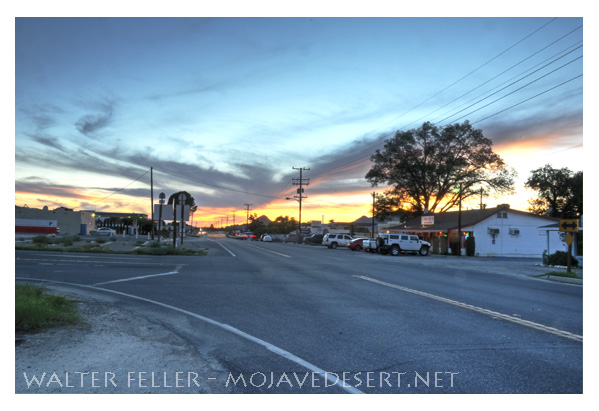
x=256 y=226
x=189 y=200
x=282 y=225
x=559 y=192
x=433 y=169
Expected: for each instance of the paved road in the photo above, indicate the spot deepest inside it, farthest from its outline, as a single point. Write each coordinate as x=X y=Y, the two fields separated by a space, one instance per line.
x=277 y=316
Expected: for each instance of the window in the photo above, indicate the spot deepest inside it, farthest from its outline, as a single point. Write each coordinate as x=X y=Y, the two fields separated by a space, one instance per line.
x=404 y=238
x=413 y=238
x=395 y=237
x=502 y=214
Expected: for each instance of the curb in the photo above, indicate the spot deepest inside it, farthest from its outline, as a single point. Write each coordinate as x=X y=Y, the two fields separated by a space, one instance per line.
x=564 y=279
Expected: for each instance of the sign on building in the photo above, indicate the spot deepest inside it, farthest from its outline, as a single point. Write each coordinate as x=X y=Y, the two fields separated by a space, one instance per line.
x=427 y=220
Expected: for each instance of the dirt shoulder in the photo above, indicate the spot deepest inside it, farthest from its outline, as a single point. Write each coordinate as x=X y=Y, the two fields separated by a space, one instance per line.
x=112 y=351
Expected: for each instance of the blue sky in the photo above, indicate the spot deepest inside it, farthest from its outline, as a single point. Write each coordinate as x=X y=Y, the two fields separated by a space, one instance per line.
x=226 y=107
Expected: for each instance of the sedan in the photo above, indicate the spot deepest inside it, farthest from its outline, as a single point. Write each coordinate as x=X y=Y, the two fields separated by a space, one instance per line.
x=356 y=245
x=103 y=231
x=266 y=238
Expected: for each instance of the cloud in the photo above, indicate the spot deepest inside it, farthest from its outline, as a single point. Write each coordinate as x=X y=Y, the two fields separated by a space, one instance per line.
x=90 y=123
x=528 y=130
x=46 y=140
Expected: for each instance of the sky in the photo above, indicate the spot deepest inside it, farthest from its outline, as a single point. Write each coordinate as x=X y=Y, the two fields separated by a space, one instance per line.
x=229 y=108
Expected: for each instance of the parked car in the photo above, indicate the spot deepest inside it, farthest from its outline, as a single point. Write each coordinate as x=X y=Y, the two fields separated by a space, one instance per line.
x=313 y=239
x=103 y=231
x=336 y=240
x=397 y=244
x=266 y=238
x=356 y=245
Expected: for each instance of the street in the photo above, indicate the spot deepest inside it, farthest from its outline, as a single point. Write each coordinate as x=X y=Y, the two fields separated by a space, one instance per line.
x=284 y=318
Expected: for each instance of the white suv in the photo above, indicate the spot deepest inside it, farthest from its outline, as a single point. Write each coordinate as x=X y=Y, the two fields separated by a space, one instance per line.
x=336 y=240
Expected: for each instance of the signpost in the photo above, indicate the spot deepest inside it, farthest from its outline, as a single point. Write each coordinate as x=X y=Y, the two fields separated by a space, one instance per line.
x=569 y=226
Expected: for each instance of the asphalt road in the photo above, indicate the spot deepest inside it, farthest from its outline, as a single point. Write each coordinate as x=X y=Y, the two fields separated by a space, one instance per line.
x=278 y=316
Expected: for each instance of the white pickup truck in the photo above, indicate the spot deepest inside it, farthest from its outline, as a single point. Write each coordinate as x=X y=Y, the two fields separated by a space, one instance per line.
x=396 y=244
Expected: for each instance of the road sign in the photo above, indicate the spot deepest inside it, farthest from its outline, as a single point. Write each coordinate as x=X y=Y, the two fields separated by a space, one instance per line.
x=568 y=226
x=569 y=239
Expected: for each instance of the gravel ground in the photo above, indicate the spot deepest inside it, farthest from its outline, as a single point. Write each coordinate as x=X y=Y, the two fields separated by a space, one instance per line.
x=112 y=351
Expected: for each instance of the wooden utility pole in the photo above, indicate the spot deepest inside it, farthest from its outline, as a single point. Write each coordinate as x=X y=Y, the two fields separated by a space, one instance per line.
x=300 y=195
x=152 y=198
x=373 y=209
x=247 y=216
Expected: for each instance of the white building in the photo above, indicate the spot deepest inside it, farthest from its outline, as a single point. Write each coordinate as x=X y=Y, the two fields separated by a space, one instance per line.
x=498 y=231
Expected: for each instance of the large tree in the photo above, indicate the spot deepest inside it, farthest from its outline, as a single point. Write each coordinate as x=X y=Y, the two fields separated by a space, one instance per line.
x=559 y=192
x=432 y=169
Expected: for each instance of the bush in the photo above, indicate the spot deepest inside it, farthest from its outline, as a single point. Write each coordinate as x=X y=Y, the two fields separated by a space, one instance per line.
x=455 y=246
x=470 y=246
x=67 y=240
x=558 y=258
x=41 y=240
x=35 y=309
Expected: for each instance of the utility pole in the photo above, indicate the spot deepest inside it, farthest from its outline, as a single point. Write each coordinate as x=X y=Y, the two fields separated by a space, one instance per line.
x=373 y=209
x=482 y=192
x=233 y=221
x=460 y=223
x=152 y=198
x=300 y=195
x=247 y=216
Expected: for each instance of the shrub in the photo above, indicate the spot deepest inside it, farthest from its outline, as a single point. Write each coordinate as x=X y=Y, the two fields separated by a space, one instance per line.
x=67 y=240
x=455 y=246
x=559 y=258
x=35 y=309
x=470 y=246
x=41 y=240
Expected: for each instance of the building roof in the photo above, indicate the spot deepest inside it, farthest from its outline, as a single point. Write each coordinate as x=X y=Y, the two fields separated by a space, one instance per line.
x=448 y=221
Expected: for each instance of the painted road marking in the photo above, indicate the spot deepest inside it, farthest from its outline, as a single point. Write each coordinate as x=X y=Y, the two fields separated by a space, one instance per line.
x=226 y=249
x=139 y=278
x=270 y=251
x=272 y=348
x=481 y=310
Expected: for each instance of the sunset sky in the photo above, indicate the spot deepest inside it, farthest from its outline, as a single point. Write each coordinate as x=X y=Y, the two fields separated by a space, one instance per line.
x=224 y=108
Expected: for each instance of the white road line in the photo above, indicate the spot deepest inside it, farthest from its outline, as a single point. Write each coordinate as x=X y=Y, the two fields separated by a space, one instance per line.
x=242 y=334
x=139 y=278
x=481 y=310
x=226 y=249
x=270 y=251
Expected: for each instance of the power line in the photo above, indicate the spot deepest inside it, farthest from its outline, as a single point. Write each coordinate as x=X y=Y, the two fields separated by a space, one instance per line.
x=510 y=93
x=117 y=191
x=528 y=99
x=378 y=142
x=214 y=185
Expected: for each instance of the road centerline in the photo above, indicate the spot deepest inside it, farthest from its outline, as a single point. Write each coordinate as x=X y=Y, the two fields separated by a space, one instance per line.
x=481 y=310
